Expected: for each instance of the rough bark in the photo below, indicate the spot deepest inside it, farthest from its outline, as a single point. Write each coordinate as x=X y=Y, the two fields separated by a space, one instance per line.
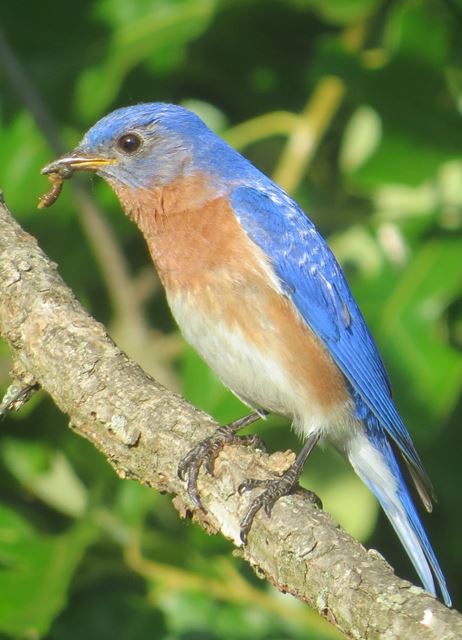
x=144 y=431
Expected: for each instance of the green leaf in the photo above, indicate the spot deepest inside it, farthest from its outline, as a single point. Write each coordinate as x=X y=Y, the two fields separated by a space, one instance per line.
x=193 y=615
x=413 y=327
x=111 y=608
x=155 y=36
x=409 y=24
x=420 y=127
x=35 y=572
x=46 y=474
x=23 y=153
x=340 y=11
x=133 y=502
x=361 y=137
x=408 y=314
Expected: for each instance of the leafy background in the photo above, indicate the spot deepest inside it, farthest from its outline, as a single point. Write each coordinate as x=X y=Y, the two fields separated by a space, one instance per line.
x=354 y=106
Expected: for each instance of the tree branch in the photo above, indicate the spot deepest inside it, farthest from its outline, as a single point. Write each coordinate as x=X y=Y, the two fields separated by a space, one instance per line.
x=145 y=430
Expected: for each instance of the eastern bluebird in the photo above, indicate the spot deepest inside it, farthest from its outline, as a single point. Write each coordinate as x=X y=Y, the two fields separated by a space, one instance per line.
x=259 y=294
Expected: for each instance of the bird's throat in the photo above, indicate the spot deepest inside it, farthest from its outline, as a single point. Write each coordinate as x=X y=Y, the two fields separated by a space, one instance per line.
x=188 y=227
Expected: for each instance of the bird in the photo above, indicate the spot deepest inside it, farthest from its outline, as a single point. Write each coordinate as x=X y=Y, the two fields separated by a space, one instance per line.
x=257 y=291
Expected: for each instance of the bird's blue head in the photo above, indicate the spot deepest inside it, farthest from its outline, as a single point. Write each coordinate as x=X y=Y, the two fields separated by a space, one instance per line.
x=149 y=145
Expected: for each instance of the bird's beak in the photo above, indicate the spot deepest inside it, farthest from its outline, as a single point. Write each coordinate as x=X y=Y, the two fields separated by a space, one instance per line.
x=66 y=165
x=64 y=168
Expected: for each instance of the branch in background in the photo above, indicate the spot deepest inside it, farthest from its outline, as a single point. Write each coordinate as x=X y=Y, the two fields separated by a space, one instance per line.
x=315 y=119
x=264 y=126
x=145 y=430
x=306 y=136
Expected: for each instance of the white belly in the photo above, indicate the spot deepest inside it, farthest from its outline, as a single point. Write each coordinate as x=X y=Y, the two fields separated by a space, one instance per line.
x=254 y=374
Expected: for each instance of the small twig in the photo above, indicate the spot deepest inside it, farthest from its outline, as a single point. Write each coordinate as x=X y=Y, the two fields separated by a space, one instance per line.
x=228 y=586
x=306 y=136
x=264 y=126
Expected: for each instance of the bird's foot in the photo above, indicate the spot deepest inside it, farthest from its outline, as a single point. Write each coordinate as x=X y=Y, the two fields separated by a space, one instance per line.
x=273 y=490
x=205 y=453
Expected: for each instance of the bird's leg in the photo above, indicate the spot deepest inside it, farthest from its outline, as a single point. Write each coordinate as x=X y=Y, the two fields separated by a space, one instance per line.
x=205 y=453
x=275 y=489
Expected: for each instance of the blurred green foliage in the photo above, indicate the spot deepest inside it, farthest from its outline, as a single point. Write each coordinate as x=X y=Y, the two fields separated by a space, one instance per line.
x=84 y=554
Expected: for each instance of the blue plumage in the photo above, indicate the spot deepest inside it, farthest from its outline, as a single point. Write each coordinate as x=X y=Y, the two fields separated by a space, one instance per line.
x=314 y=281
x=419 y=548
x=183 y=140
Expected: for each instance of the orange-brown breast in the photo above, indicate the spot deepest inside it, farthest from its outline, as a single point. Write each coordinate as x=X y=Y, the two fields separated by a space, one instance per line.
x=199 y=248
x=189 y=231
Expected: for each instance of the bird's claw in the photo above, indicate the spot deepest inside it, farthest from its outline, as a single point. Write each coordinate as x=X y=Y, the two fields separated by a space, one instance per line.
x=204 y=455
x=274 y=489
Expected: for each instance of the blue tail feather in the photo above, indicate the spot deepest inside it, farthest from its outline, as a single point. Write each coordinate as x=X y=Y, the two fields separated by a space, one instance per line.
x=373 y=459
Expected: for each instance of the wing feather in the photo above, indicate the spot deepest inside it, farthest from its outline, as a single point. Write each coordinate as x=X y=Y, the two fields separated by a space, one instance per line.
x=313 y=280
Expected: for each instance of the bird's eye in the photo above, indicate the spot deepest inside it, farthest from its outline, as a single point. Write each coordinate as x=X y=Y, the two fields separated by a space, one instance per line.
x=129 y=142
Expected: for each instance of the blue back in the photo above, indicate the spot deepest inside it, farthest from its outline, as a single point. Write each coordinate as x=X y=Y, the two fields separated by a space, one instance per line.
x=312 y=278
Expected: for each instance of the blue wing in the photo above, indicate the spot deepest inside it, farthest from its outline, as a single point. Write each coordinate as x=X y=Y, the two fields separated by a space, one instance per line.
x=314 y=281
